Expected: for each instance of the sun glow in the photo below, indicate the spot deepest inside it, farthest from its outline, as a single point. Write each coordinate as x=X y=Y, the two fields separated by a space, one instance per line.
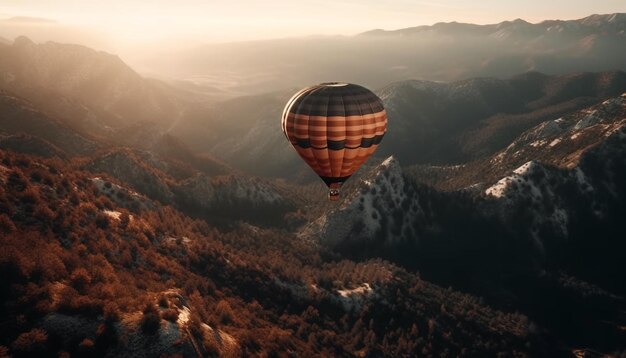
x=149 y=21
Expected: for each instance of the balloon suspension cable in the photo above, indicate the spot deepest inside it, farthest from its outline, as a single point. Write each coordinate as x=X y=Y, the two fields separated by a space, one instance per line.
x=333 y=191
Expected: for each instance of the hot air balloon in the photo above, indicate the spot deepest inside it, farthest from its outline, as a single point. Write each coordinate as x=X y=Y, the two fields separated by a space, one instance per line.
x=334 y=127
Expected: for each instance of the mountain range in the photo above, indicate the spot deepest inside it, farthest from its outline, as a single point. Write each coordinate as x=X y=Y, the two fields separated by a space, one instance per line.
x=433 y=123
x=541 y=212
x=441 y=52
x=95 y=90
x=139 y=218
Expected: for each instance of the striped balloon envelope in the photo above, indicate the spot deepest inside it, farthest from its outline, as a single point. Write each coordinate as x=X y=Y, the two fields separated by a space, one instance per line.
x=334 y=127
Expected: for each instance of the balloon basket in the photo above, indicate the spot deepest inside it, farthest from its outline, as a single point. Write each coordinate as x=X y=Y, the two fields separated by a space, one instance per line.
x=333 y=191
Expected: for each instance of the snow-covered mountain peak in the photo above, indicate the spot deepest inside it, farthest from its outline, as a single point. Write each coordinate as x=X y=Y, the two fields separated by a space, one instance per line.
x=383 y=208
x=559 y=141
x=528 y=167
x=517 y=178
x=389 y=167
x=391 y=162
x=387 y=180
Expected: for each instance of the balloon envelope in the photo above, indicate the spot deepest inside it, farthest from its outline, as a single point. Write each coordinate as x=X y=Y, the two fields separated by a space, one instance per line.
x=334 y=127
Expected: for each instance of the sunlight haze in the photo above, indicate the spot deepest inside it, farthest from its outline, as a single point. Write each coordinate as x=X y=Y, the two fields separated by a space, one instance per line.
x=145 y=22
x=329 y=178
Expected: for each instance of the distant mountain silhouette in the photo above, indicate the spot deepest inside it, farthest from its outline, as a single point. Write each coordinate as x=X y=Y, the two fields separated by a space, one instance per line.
x=92 y=88
x=242 y=132
x=609 y=23
x=20 y=116
x=441 y=52
x=430 y=122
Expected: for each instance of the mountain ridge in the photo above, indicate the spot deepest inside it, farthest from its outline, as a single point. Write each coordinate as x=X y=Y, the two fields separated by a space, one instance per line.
x=21 y=116
x=433 y=122
x=462 y=116
x=617 y=20
x=136 y=241
x=442 y=52
x=153 y=281
x=64 y=77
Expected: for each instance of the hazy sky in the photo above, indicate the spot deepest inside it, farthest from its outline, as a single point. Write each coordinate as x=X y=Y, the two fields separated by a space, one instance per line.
x=144 y=21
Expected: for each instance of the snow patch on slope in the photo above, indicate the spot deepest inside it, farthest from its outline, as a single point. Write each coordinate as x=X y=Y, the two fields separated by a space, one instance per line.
x=227 y=344
x=354 y=298
x=113 y=214
x=121 y=195
x=361 y=290
x=590 y=119
x=383 y=208
x=517 y=178
x=539 y=189
x=559 y=141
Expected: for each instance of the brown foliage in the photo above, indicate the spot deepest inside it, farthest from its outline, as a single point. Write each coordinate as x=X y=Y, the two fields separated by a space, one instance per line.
x=170 y=314
x=225 y=312
x=86 y=347
x=17 y=181
x=80 y=278
x=150 y=321
x=111 y=312
x=31 y=343
x=74 y=264
x=6 y=224
x=211 y=346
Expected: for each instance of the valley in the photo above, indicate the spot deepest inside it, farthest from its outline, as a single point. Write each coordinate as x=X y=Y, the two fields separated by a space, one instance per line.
x=141 y=217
